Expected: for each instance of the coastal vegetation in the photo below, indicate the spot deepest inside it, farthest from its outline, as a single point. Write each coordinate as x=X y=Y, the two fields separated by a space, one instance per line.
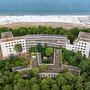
x=12 y=80
x=71 y=34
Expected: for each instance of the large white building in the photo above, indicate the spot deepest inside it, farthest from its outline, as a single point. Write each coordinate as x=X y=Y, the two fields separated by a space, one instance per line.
x=7 y=45
x=51 y=40
x=7 y=42
x=82 y=43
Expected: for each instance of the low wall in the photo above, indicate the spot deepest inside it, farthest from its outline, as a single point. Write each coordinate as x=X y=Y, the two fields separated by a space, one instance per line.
x=20 y=68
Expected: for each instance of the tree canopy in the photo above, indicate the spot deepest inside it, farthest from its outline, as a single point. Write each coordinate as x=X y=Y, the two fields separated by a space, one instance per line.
x=43 y=67
x=18 y=48
x=34 y=72
x=11 y=80
x=49 y=51
x=39 y=47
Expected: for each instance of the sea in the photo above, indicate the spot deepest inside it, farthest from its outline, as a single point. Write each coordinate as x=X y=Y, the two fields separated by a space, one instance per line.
x=44 y=7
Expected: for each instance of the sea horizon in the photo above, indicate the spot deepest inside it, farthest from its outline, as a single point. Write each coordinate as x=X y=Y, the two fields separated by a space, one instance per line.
x=47 y=15
x=45 y=7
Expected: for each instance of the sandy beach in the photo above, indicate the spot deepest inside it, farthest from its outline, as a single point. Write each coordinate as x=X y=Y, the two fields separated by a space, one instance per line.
x=67 y=22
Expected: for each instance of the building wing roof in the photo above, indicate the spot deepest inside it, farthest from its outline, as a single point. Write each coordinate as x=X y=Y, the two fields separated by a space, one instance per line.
x=11 y=39
x=6 y=35
x=45 y=35
x=84 y=35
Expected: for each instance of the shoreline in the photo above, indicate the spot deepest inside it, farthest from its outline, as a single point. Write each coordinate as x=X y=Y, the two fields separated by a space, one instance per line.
x=45 y=15
x=66 y=21
x=39 y=18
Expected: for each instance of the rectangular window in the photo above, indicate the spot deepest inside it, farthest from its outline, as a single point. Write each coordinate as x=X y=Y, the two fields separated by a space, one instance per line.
x=85 y=43
x=79 y=42
x=81 y=45
x=72 y=49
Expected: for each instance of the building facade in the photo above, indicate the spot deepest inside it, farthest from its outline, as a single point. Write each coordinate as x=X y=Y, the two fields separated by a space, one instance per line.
x=7 y=45
x=51 y=40
x=82 y=43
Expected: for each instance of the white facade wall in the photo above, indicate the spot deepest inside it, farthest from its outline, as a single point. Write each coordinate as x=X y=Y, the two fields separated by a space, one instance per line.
x=8 y=47
x=82 y=46
x=69 y=47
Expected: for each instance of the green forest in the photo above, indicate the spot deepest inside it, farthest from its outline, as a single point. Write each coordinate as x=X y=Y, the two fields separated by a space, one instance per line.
x=11 y=80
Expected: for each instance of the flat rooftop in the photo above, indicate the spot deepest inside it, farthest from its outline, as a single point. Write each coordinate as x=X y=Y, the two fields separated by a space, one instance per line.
x=45 y=35
x=84 y=35
x=12 y=39
x=6 y=35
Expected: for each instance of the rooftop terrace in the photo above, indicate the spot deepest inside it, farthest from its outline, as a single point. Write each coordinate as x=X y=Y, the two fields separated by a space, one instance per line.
x=12 y=39
x=6 y=35
x=84 y=35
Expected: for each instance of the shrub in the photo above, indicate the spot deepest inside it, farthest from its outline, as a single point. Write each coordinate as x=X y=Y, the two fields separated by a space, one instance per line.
x=24 y=64
x=46 y=61
x=43 y=67
x=21 y=72
x=25 y=70
x=49 y=51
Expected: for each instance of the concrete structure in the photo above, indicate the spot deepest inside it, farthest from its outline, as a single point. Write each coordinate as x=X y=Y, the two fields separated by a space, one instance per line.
x=6 y=35
x=21 y=68
x=51 y=40
x=8 y=42
x=7 y=45
x=55 y=65
x=82 y=43
x=53 y=75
